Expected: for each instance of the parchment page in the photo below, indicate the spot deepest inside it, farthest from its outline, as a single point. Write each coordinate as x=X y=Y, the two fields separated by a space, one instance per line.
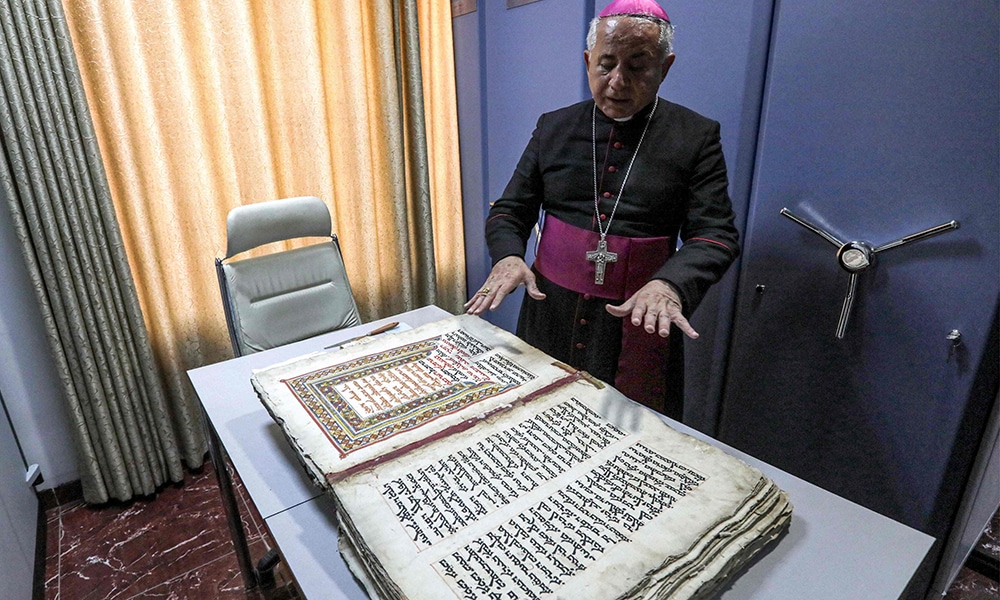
x=345 y=408
x=578 y=494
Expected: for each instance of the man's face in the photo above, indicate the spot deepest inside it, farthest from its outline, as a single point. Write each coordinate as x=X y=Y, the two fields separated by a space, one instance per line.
x=625 y=68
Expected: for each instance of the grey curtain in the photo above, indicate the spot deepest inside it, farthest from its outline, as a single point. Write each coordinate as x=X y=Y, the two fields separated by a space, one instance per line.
x=414 y=142
x=130 y=435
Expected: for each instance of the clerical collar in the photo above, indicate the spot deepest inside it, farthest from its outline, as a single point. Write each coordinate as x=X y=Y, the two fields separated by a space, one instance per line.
x=642 y=113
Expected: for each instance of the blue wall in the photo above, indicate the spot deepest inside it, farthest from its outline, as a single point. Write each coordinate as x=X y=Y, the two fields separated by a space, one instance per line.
x=522 y=62
x=32 y=399
x=28 y=378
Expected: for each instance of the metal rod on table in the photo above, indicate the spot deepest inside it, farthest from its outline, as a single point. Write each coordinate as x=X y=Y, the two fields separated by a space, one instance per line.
x=229 y=504
x=373 y=332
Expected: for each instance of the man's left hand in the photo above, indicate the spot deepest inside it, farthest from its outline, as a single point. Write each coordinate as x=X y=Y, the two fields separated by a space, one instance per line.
x=654 y=307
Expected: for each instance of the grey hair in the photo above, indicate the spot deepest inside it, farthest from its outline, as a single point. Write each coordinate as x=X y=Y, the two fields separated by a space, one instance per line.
x=666 y=41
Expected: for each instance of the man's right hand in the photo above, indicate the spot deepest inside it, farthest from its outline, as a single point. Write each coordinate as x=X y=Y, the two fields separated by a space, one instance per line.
x=506 y=275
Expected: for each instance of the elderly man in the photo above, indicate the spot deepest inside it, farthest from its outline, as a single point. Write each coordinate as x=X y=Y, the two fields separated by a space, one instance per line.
x=619 y=178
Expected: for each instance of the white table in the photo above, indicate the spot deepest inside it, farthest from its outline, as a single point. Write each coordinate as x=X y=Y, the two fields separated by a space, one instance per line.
x=834 y=550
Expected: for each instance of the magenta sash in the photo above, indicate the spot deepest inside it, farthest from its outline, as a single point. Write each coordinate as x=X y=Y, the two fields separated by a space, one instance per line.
x=561 y=258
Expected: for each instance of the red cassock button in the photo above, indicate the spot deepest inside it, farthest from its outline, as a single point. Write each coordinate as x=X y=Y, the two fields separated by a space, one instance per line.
x=580 y=345
x=604 y=217
x=612 y=169
x=586 y=296
x=583 y=321
x=618 y=144
x=607 y=194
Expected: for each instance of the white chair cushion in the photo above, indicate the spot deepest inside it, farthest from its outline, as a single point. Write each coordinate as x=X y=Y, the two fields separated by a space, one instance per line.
x=289 y=296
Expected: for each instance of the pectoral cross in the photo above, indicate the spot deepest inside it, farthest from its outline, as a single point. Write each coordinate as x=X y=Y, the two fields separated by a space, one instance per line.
x=601 y=257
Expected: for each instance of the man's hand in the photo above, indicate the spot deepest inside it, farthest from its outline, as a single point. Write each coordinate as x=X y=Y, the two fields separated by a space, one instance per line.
x=506 y=275
x=654 y=307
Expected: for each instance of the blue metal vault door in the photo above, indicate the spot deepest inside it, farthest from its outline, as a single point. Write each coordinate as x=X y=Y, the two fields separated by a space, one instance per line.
x=861 y=364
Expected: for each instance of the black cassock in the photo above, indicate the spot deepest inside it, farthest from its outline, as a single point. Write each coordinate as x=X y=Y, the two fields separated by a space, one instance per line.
x=676 y=188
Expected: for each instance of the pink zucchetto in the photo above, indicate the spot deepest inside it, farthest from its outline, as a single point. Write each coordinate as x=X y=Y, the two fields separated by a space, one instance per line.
x=635 y=7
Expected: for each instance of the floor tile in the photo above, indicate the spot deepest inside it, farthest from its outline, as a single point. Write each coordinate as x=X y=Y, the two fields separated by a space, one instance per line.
x=216 y=580
x=175 y=545
x=989 y=543
x=118 y=550
x=970 y=585
x=53 y=530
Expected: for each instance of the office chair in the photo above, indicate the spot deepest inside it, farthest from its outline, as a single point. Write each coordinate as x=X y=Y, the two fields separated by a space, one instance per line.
x=284 y=296
x=271 y=300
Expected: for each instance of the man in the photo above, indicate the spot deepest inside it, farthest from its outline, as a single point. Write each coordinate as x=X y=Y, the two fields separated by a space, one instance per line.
x=619 y=178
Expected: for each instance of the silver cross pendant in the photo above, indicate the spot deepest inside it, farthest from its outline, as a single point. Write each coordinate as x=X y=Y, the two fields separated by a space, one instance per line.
x=601 y=257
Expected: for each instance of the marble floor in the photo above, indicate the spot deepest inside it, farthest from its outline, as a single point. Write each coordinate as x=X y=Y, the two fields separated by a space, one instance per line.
x=971 y=584
x=176 y=546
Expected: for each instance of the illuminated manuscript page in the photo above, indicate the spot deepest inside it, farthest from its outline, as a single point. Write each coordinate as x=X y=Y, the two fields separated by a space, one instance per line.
x=578 y=494
x=344 y=408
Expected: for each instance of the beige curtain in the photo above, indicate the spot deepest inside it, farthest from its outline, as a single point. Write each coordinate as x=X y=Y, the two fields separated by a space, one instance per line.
x=201 y=106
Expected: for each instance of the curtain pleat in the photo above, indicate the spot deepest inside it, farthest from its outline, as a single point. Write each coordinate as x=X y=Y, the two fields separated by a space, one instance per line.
x=417 y=160
x=131 y=437
x=440 y=110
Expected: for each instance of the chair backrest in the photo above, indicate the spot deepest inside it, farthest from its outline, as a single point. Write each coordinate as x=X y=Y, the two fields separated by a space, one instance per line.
x=285 y=296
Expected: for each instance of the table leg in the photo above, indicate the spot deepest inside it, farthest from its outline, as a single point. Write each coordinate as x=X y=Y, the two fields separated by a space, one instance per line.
x=232 y=510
